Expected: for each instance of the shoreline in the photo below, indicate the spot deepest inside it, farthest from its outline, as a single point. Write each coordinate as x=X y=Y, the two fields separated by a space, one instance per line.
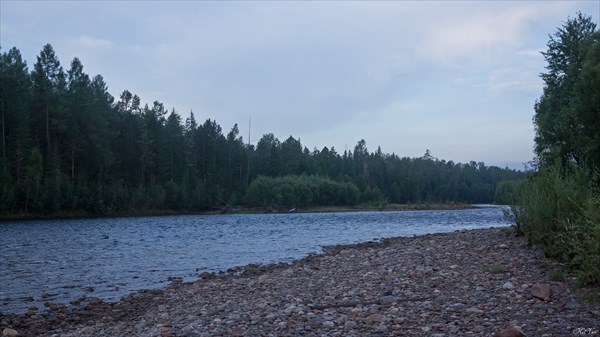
x=316 y=209
x=478 y=280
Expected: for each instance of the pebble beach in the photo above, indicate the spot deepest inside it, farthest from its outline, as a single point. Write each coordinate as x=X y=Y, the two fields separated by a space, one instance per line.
x=485 y=282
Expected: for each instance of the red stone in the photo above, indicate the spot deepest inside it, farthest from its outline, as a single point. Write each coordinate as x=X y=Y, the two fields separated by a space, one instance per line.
x=541 y=291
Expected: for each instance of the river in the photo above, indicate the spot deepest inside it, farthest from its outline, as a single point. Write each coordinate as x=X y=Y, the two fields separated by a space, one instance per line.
x=61 y=260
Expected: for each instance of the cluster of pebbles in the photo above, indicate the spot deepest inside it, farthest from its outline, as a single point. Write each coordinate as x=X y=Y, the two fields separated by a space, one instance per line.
x=468 y=283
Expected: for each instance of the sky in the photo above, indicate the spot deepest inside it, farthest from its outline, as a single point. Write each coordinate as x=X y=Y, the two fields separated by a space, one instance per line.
x=458 y=78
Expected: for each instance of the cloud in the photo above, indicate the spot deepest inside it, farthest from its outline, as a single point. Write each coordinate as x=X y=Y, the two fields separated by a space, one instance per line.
x=405 y=75
x=95 y=43
x=514 y=80
x=485 y=34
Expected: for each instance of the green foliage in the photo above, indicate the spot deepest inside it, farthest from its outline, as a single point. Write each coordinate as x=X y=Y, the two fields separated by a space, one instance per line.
x=508 y=231
x=557 y=274
x=559 y=206
x=33 y=180
x=493 y=269
x=300 y=191
x=373 y=197
x=560 y=212
x=507 y=192
x=566 y=118
x=69 y=147
x=593 y=296
x=7 y=191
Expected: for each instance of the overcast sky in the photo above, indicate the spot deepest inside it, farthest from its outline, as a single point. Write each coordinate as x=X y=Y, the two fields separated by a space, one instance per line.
x=457 y=78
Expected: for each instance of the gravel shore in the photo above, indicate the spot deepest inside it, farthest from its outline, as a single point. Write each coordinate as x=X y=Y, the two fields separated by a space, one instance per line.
x=468 y=283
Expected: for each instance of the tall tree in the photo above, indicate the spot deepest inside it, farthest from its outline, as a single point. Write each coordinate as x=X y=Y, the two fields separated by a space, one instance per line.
x=291 y=156
x=49 y=121
x=586 y=106
x=15 y=100
x=48 y=89
x=556 y=123
x=79 y=99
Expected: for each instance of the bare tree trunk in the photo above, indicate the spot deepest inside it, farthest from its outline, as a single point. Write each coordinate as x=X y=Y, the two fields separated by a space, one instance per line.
x=3 y=133
x=73 y=164
x=47 y=125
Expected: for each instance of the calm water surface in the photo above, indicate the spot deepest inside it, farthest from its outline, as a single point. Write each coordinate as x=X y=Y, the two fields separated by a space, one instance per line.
x=62 y=259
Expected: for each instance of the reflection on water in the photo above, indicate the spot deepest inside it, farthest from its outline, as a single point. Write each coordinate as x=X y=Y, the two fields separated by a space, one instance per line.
x=61 y=260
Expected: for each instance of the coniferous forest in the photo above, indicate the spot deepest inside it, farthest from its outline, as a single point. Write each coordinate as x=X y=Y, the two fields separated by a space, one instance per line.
x=69 y=147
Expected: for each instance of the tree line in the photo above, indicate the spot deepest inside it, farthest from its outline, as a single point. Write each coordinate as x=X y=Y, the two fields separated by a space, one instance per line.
x=69 y=146
x=558 y=206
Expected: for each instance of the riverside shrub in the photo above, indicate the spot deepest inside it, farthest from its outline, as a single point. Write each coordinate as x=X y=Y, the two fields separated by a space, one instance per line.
x=301 y=191
x=559 y=211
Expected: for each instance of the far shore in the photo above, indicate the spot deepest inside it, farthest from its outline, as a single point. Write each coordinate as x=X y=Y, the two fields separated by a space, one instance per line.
x=240 y=210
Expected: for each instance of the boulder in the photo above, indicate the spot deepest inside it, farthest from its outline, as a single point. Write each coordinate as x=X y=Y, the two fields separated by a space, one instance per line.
x=541 y=291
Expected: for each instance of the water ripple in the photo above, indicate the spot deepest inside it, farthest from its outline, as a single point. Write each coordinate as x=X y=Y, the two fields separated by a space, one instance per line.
x=116 y=256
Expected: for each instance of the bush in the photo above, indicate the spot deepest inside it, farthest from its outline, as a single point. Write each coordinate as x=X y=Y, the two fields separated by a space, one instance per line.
x=373 y=197
x=507 y=191
x=559 y=210
x=300 y=191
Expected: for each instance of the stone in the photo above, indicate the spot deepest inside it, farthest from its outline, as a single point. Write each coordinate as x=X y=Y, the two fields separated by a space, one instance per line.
x=423 y=268
x=508 y=285
x=387 y=300
x=572 y=305
x=88 y=330
x=541 y=291
x=376 y=318
x=381 y=328
x=356 y=312
x=349 y=325
x=397 y=299
x=263 y=278
x=475 y=310
x=503 y=246
x=9 y=332
x=510 y=332
x=94 y=301
x=165 y=331
x=207 y=276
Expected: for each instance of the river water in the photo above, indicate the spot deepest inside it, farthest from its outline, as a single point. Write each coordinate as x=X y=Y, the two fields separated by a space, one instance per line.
x=61 y=260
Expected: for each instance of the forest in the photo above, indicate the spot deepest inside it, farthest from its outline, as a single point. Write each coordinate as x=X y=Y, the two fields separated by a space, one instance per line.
x=70 y=147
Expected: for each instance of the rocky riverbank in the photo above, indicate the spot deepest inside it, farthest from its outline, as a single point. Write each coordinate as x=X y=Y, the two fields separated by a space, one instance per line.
x=478 y=283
